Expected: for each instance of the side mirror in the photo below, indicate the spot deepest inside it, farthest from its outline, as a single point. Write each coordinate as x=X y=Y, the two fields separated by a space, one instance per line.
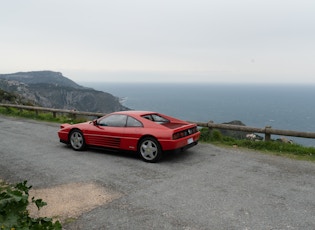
x=95 y=122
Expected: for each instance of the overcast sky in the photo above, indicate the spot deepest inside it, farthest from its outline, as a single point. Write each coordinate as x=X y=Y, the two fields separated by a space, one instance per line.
x=271 y=41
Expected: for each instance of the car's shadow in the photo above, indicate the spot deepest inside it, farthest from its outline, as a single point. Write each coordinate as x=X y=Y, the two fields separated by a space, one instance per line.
x=119 y=153
x=176 y=157
x=167 y=157
x=110 y=152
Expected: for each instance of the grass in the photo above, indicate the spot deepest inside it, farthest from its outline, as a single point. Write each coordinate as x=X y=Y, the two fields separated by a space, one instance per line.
x=42 y=116
x=293 y=151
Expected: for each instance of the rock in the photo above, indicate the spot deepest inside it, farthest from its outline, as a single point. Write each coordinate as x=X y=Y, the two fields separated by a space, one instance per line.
x=284 y=140
x=254 y=137
x=239 y=134
x=232 y=133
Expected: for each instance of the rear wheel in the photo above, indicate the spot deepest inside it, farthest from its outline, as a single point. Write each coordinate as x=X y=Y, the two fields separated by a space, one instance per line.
x=77 y=141
x=150 y=149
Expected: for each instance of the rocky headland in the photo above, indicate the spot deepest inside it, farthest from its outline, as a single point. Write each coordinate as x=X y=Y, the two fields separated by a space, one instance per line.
x=53 y=90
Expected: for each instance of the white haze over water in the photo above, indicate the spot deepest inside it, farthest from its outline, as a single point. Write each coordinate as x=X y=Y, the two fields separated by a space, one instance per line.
x=285 y=107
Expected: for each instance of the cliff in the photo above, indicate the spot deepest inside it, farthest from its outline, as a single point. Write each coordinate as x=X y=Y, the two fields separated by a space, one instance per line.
x=53 y=90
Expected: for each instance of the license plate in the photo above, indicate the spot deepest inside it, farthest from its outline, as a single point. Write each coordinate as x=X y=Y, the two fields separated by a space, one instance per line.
x=190 y=140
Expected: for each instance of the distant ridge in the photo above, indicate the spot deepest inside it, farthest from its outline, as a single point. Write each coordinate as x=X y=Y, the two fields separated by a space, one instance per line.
x=53 y=90
x=35 y=77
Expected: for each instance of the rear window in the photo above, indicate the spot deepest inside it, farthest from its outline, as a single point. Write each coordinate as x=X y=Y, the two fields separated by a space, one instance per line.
x=156 y=118
x=132 y=122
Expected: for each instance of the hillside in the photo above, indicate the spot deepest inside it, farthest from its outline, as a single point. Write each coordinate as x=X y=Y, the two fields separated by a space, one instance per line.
x=53 y=90
x=45 y=77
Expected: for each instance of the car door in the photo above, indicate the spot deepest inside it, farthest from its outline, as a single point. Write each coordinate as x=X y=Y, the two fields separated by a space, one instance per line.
x=107 y=131
x=132 y=133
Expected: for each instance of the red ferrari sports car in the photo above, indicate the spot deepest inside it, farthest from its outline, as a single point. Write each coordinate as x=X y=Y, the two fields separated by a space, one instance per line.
x=148 y=133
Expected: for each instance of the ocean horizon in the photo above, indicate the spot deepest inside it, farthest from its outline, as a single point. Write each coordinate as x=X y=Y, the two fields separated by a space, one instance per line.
x=287 y=107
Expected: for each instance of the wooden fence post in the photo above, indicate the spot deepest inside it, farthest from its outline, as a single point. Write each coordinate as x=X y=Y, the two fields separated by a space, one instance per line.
x=267 y=133
x=73 y=116
x=210 y=127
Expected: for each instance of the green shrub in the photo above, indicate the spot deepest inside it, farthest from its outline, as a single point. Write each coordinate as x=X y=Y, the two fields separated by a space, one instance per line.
x=204 y=135
x=207 y=136
x=216 y=135
x=13 y=210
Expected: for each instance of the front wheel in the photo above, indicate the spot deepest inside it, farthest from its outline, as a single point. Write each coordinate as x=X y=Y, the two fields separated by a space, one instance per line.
x=150 y=149
x=77 y=141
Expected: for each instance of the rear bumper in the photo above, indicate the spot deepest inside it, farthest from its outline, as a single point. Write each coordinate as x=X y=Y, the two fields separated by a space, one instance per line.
x=180 y=144
x=183 y=148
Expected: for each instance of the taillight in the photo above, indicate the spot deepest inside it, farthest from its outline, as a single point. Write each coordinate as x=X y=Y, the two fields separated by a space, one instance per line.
x=175 y=136
x=184 y=133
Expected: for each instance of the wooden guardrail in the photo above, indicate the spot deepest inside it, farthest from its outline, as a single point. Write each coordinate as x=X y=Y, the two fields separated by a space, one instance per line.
x=53 y=111
x=267 y=131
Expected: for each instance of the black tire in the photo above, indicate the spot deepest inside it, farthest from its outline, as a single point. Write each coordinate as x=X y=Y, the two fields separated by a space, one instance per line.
x=150 y=150
x=76 y=139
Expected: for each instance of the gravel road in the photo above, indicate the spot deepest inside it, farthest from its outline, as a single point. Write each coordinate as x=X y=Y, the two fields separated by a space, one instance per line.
x=206 y=187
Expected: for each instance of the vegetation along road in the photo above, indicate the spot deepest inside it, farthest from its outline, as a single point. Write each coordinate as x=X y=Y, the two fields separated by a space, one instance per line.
x=206 y=187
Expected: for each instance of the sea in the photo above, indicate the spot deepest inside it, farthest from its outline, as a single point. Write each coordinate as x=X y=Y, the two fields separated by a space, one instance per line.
x=287 y=107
